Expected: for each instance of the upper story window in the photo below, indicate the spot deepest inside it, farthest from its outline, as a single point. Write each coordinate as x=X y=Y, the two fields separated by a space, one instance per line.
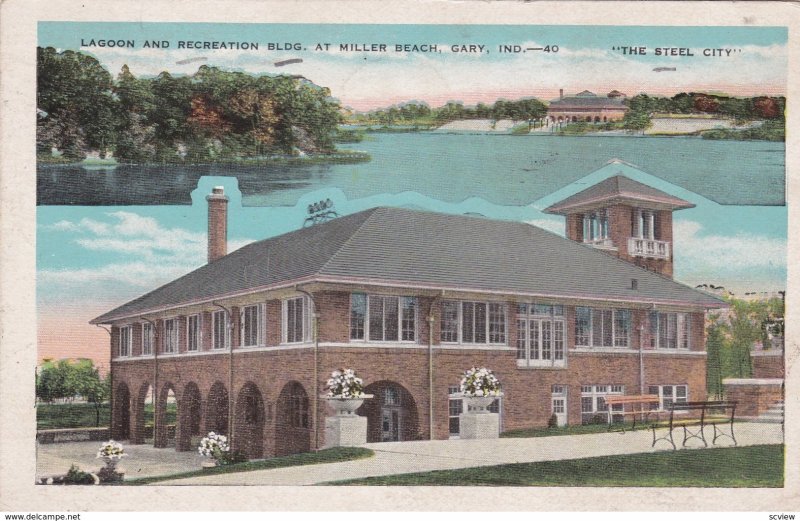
x=219 y=330
x=595 y=226
x=251 y=324
x=602 y=327
x=171 y=335
x=193 y=333
x=670 y=330
x=468 y=322
x=381 y=318
x=643 y=224
x=125 y=337
x=295 y=320
x=147 y=339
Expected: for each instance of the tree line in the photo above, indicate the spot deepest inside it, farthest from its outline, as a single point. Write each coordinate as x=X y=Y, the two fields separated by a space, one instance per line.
x=212 y=115
x=729 y=339
x=420 y=113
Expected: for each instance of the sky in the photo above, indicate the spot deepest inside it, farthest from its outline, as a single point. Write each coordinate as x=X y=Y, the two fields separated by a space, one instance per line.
x=91 y=259
x=587 y=57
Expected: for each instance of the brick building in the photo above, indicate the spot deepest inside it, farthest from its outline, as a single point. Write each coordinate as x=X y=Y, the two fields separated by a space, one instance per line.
x=410 y=300
x=587 y=107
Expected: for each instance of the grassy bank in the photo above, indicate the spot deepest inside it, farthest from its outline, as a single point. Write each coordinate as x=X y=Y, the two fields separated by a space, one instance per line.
x=340 y=156
x=755 y=466
x=308 y=458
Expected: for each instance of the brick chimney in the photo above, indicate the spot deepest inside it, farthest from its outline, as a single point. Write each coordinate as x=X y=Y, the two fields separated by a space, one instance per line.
x=560 y=93
x=217 y=223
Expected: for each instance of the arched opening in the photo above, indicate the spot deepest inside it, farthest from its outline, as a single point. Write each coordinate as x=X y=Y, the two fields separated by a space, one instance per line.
x=189 y=417
x=166 y=416
x=588 y=119
x=121 y=423
x=293 y=421
x=217 y=409
x=597 y=119
x=142 y=408
x=391 y=414
x=574 y=119
x=248 y=432
x=560 y=119
x=605 y=119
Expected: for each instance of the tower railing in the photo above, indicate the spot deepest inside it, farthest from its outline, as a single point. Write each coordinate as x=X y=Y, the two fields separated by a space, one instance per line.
x=640 y=247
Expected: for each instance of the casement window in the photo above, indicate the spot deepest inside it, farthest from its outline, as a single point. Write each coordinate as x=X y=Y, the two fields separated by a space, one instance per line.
x=670 y=330
x=383 y=318
x=125 y=338
x=540 y=335
x=595 y=226
x=602 y=327
x=171 y=335
x=251 y=325
x=220 y=330
x=148 y=339
x=669 y=394
x=295 y=320
x=467 y=322
x=193 y=333
x=593 y=403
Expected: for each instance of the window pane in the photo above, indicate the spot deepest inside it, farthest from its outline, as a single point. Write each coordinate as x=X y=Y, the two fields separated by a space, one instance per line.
x=497 y=323
x=480 y=323
x=522 y=336
x=193 y=333
x=533 y=334
x=541 y=309
x=375 y=318
x=622 y=327
x=468 y=322
x=685 y=330
x=558 y=340
x=409 y=318
x=298 y=326
x=391 y=322
x=547 y=339
x=358 y=311
x=608 y=328
x=597 y=327
x=449 y=332
x=583 y=326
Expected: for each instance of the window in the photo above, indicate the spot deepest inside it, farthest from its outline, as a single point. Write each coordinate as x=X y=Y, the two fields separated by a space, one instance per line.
x=540 y=335
x=602 y=327
x=595 y=226
x=193 y=333
x=295 y=320
x=455 y=408
x=298 y=407
x=643 y=224
x=669 y=394
x=383 y=318
x=125 y=341
x=251 y=322
x=147 y=339
x=220 y=330
x=171 y=335
x=473 y=322
x=593 y=403
x=670 y=330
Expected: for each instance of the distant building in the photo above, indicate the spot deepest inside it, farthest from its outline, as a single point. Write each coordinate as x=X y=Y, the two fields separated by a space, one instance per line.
x=587 y=107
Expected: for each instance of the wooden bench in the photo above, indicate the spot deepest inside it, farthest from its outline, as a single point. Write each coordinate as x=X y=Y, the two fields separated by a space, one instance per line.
x=693 y=417
x=639 y=405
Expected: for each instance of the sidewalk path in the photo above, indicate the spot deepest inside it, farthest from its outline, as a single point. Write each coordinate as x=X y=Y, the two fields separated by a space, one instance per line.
x=421 y=456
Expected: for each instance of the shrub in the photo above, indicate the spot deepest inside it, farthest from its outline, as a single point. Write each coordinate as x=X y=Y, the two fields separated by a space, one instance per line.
x=76 y=476
x=552 y=423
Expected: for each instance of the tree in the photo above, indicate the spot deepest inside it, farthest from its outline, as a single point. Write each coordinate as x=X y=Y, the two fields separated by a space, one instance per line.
x=66 y=379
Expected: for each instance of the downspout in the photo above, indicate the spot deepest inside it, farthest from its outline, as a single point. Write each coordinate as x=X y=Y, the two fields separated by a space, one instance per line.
x=154 y=347
x=431 y=321
x=641 y=353
x=110 y=382
x=229 y=341
x=315 y=382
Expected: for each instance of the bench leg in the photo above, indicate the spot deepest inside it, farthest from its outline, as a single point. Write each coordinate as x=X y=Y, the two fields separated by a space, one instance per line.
x=718 y=433
x=665 y=438
x=689 y=434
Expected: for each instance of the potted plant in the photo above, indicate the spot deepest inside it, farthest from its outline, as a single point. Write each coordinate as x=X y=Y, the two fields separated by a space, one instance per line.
x=480 y=388
x=111 y=452
x=345 y=392
x=214 y=447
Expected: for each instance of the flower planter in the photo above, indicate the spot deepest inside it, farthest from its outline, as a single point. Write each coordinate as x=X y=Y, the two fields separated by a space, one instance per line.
x=346 y=406
x=479 y=404
x=208 y=464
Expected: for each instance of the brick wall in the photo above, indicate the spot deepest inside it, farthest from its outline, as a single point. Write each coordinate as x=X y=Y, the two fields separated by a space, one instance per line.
x=754 y=397
x=768 y=364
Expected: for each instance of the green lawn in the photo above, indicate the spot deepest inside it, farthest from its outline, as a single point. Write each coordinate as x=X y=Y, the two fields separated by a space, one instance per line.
x=70 y=415
x=754 y=466
x=540 y=432
x=306 y=458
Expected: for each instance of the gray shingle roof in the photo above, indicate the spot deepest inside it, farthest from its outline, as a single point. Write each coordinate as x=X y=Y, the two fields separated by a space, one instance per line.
x=402 y=247
x=618 y=186
x=585 y=101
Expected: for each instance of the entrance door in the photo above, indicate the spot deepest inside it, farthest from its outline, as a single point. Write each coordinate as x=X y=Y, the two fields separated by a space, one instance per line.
x=559 y=404
x=390 y=424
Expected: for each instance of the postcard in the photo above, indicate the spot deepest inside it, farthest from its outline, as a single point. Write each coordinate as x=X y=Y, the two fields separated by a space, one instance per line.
x=530 y=249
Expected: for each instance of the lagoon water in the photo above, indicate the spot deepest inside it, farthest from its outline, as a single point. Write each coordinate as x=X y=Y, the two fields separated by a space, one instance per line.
x=503 y=169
